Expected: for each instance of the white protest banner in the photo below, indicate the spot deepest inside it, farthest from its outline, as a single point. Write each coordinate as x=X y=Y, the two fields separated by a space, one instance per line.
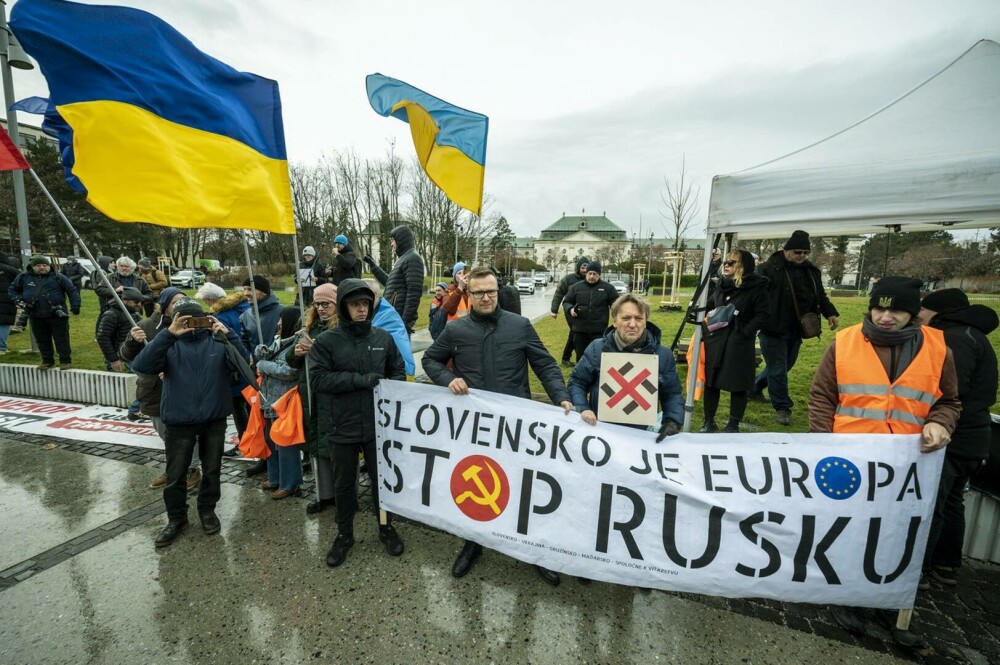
x=819 y=518
x=628 y=388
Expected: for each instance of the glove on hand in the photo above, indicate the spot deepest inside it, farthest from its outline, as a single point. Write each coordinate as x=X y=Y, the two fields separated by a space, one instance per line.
x=668 y=428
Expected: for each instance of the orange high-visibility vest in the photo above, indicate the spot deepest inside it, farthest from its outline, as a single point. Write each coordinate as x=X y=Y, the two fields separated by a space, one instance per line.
x=463 y=308
x=868 y=403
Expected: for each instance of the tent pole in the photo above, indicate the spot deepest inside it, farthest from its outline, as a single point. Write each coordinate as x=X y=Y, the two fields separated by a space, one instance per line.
x=702 y=299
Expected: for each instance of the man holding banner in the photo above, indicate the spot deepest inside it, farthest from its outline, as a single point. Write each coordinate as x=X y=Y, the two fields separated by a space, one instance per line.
x=887 y=375
x=490 y=350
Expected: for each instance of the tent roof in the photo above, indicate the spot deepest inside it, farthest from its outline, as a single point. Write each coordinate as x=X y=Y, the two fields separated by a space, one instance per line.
x=927 y=161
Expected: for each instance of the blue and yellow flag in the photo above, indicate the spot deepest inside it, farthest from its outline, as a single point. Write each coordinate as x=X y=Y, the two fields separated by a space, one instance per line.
x=450 y=141
x=158 y=131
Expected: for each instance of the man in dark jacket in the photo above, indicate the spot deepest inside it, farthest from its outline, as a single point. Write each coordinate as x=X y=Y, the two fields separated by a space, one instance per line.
x=588 y=304
x=8 y=309
x=795 y=288
x=405 y=284
x=270 y=310
x=42 y=293
x=965 y=329
x=74 y=271
x=631 y=332
x=490 y=350
x=561 y=290
x=344 y=265
x=114 y=327
x=124 y=275
x=345 y=364
x=194 y=406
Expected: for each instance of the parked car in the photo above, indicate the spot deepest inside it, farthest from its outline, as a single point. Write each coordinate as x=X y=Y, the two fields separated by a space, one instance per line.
x=620 y=287
x=184 y=279
x=526 y=285
x=542 y=278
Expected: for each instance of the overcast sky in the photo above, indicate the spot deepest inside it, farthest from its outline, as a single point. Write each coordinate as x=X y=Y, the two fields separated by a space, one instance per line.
x=591 y=104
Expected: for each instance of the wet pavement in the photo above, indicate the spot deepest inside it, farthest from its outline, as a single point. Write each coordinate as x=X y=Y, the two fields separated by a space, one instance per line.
x=81 y=582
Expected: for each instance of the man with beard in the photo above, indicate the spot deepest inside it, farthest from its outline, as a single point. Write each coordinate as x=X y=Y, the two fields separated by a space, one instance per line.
x=42 y=294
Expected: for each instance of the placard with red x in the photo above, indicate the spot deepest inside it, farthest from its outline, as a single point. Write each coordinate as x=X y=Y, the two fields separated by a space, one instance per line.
x=628 y=387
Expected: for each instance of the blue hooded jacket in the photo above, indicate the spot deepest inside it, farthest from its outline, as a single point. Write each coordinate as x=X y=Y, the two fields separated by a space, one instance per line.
x=389 y=320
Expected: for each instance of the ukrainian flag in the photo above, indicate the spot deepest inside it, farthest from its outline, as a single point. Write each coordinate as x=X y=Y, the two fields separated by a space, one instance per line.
x=159 y=131
x=450 y=141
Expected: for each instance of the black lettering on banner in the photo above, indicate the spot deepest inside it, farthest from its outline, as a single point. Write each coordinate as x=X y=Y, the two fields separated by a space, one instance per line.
x=456 y=428
x=541 y=442
x=805 y=549
x=430 y=456
x=873 y=481
x=604 y=525
x=604 y=457
x=558 y=443
x=398 y=487
x=706 y=461
x=911 y=476
x=555 y=498
x=477 y=426
x=741 y=468
x=871 y=547
x=513 y=438
x=384 y=418
x=664 y=469
x=398 y=424
x=786 y=476
x=670 y=534
x=645 y=460
x=435 y=423
x=773 y=555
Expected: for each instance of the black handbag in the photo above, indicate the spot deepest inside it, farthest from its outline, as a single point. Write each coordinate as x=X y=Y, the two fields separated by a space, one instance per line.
x=720 y=317
x=809 y=323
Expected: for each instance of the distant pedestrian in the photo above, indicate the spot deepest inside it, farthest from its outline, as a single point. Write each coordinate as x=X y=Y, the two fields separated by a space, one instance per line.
x=306 y=276
x=156 y=279
x=343 y=265
x=588 y=304
x=72 y=269
x=43 y=295
x=557 y=299
x=404 y=285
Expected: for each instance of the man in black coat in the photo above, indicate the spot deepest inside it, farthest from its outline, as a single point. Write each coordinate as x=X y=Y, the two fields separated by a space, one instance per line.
x=345 y=364
x=42 y=293
x=114 y=327
x=74 y=271
x=8 y=308
x=561 y=290
x=344 y=265
x=588 y=304
x=473 y=347
x=405 y=284
x=795 y=287
x=965 y=329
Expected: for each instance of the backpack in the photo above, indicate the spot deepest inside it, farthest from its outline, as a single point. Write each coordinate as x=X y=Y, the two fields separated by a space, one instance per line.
x=509 y=299
x=438 y=319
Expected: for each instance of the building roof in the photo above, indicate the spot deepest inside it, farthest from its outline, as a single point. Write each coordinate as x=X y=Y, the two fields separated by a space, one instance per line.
x=598 y=225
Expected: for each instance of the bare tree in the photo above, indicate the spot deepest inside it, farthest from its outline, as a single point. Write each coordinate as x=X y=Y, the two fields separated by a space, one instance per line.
x=681 y=201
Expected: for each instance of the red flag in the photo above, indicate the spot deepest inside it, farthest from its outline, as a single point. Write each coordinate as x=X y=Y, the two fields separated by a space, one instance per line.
x=11 y=158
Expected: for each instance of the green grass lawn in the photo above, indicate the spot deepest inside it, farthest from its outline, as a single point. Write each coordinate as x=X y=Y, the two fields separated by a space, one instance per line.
x=553 y=334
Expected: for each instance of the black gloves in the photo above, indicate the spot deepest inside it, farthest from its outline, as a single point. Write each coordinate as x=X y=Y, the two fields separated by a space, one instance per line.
x=367 y=258
x=368 y=380
x=76 y=311
x=668 y=428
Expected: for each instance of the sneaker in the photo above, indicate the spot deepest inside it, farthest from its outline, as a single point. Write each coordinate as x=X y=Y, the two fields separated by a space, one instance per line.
x=338 y=551
x=783 y=417
x=732 y=427
x=194 y=478
x=136 y=416
x=946 y=575
x=925 y=582
x=568 y=363
x=45 y=367
x=908 y=638
x=393 y=543
x=158 y=483
x=709 y=427
x=65 y=366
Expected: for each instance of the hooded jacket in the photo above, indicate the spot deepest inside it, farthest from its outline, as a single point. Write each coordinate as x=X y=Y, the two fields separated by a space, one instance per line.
x=388 y=320
x=593 y=305
x=583 y=382
x=809 y=294
x=405 y=283
x=8 y=273
x=965 y=332
x=270 y=310
x=564 y=286
x=229 y=309
x=345 y=365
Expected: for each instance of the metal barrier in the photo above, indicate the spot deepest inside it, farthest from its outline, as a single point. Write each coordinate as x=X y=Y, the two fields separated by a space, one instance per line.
x=75 y=385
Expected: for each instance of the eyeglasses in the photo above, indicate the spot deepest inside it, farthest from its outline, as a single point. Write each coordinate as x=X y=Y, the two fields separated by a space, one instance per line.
x=322 y=304
x=800 y=252
x=730 y=264
x=482 y=294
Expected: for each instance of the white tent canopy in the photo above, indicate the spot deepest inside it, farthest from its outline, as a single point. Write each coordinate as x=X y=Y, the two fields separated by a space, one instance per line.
x=928 y=161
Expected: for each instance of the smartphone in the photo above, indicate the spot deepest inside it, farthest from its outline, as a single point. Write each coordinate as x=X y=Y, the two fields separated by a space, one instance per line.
x=200 y=322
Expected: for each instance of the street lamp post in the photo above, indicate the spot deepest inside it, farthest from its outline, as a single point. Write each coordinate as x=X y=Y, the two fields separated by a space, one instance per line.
x=12 y=55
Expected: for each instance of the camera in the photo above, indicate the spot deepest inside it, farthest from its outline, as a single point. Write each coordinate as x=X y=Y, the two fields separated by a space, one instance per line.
x=59 y=313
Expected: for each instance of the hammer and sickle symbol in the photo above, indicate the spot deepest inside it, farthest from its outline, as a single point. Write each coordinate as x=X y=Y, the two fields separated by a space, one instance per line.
x=485 y=497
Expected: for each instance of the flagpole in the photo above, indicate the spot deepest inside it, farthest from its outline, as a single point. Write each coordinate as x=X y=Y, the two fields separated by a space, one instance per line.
x=302 y=317
x=83 y=246
x=253 y=291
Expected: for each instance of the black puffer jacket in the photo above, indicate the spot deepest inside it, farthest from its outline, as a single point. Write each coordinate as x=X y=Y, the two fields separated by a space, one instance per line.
x=112 y=331
x=345 y=265
x=8 y=272
x=729 y=351
x=345 y=365
x=965 y=333
x=593 y=306
x=405 y=284
x=492 y=353
x=809 y=293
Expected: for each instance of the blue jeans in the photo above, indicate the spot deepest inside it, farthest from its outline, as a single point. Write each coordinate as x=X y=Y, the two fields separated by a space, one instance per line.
x=284 y=466
x=780 y=353
x=4 y=334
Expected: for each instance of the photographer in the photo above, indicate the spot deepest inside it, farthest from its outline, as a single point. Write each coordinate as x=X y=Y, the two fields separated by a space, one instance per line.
x=42 y=293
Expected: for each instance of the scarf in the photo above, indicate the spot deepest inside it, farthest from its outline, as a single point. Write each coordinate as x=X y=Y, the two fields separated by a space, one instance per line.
x=906 y=343
x=625 y=346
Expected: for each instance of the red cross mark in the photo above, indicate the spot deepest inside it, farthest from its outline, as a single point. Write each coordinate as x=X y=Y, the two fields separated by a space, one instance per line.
x=628 y=388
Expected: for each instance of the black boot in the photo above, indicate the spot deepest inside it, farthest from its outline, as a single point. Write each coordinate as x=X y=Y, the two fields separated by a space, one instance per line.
x=170 y=532
x=732 y=427
x=338 y=551
x=468 y=555
x=709 y=427
x=258 y=468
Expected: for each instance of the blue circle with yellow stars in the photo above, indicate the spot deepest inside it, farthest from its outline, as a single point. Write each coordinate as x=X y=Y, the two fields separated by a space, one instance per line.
x=837 y=478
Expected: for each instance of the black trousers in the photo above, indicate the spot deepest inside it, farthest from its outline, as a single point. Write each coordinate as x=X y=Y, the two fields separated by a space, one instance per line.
x=49 y=330
x=947 y=534
x=241 y=414
x=581 y=340
x=345 y=480
x=568 y=349
x=179 y=442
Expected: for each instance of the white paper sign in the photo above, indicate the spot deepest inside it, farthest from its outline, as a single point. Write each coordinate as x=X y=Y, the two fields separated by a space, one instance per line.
x=819 y=518
x=628 y=389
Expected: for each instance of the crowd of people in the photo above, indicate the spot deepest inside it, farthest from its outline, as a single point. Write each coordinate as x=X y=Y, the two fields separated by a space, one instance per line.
x=909 y=366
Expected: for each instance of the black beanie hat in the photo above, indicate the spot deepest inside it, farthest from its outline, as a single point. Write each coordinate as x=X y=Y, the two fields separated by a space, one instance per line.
x=946 y=300
x=594 y=266
x=188 y=307
x=799 y=240
x=260 y=283
x=901 y=293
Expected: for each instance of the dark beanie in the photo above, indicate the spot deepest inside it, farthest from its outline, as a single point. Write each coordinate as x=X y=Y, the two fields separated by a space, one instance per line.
x=594 y=266
x=946 y=300
x=901 y=293
x=799 y=240
x=260 y=283
x=188 y=307
x=131 y=293
x=38 y=260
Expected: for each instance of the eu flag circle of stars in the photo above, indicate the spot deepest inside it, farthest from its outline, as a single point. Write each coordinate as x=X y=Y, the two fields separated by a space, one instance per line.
x=837 y=477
